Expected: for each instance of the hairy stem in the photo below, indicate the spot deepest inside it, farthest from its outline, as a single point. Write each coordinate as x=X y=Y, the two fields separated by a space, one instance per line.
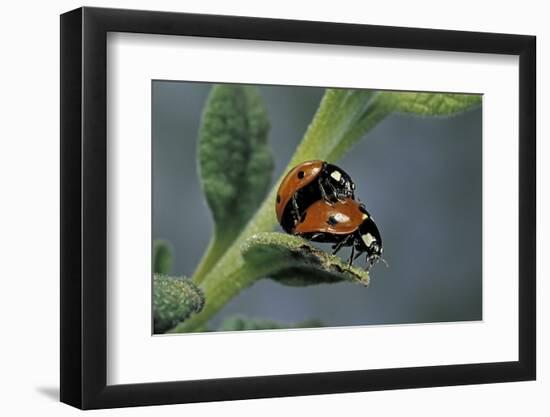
x=231 y=274
x=216 y=248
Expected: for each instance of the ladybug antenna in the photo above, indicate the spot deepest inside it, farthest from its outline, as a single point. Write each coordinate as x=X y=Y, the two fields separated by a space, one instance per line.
x=373 y=260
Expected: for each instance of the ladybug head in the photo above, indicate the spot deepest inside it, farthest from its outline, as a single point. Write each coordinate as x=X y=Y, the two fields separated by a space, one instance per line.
x=371 y=242
x=341 y=182
x=374 y=254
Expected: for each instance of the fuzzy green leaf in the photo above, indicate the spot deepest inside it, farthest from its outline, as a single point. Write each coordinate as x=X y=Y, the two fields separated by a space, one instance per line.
x=381 y=104
x=174 y=300
x=427 y=104
x=239 y=322
x=234 y=157
x=162 y=257
x=292 y=261
x=235 y=162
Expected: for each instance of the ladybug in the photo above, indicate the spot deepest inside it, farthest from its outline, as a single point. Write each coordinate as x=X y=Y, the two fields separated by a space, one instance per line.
x=343 y=223
x=307 y=183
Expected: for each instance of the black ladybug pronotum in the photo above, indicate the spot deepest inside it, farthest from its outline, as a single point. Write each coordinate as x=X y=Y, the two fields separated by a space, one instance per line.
x=306 y=183
x=343 y=223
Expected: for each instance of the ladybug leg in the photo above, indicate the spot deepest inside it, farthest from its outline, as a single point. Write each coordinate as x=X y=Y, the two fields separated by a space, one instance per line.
x=322 y=189
x=357 y=255
x=354 y=247
x=339 y=245
x=334 y=192
x=296 y=210
x=351 y=257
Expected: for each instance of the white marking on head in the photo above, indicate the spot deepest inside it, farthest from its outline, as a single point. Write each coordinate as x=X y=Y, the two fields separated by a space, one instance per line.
x=365 y=216
x=336 y=175
x=368 y=239
x=341 y=217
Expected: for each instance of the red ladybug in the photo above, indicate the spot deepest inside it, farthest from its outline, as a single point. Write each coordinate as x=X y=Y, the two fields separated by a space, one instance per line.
x=307 y=183
x=344 y=223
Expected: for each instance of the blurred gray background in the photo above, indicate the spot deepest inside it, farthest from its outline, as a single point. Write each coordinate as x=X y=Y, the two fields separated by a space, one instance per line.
x=421 y=181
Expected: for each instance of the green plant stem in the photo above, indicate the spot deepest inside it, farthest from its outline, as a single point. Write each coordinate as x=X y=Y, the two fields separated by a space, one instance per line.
x=231 y=274
x=216 y=248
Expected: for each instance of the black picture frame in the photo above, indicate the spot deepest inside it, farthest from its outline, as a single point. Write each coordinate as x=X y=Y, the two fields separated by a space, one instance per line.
x=84 y=207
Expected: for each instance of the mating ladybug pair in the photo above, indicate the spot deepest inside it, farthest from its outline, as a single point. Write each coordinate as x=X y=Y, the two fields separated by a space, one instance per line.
x=316 y=200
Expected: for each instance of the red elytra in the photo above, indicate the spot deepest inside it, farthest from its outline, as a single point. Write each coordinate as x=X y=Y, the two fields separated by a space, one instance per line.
x=343 y=223
x=296 y=179
x=339 y=218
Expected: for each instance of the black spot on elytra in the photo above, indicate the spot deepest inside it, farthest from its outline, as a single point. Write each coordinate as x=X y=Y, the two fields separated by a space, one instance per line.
x=301 y=174
x=332 y=221
x=278 y=198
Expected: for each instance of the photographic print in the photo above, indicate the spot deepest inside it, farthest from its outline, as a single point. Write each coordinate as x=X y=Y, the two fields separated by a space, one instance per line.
x=285 y=207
